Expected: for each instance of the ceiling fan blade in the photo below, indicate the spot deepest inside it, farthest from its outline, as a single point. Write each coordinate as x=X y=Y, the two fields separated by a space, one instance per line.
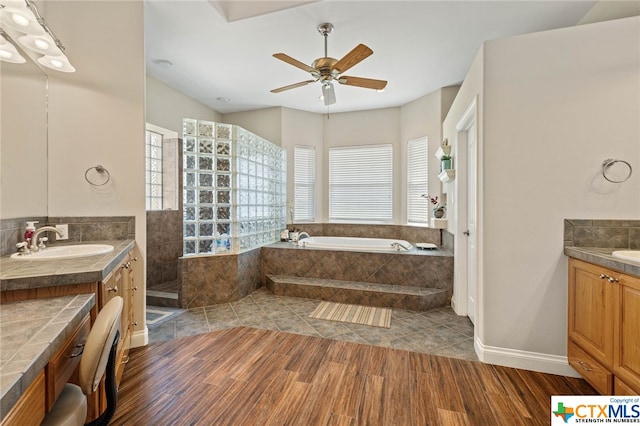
x=367 y=83
x=328 y=93
x=296 y=63
x=292 y=86
x=359 y=53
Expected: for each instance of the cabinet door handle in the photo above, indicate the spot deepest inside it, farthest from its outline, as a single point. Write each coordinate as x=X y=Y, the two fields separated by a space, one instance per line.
x=113 y=289
x=613 y=280
x=79 y=349
x=603 y=276
x=125 y=359
x=584 y=366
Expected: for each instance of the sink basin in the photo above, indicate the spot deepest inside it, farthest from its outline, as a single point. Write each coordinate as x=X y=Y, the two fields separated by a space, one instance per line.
x=66 y=252
x=633 y=255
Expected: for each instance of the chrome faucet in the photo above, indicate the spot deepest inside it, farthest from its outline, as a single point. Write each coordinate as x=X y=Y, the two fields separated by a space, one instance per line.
x=302 y=235
x=398 y=245
x=34 y=237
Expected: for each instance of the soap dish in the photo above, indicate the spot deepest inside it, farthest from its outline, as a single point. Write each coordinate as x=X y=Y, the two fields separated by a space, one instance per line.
x=426 y=246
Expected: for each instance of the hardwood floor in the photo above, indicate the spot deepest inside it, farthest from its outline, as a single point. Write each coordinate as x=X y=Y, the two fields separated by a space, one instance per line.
x=248 y=376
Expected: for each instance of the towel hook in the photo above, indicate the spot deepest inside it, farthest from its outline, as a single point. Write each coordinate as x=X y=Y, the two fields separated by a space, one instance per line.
x=606 y=164
x=101 y=171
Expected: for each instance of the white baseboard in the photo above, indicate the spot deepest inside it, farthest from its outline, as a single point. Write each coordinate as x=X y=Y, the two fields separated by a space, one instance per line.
x=534 y=361
x=140 y=338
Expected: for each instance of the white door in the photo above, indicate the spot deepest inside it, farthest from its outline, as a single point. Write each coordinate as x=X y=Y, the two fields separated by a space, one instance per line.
x=472 y=258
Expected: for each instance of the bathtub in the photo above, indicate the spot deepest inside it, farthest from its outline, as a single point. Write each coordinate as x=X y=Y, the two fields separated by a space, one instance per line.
x=353 y=243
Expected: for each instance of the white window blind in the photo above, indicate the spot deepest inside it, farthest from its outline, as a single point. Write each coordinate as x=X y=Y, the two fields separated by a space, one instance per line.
x=417 y=181
x=361 y=184
x=304 y=165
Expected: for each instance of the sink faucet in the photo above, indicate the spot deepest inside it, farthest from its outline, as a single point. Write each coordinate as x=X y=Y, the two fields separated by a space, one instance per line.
x=34 y=237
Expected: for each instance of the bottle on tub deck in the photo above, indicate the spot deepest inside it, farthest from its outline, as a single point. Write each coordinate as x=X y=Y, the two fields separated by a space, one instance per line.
x=284 y=235
x=293 y=235
x=30 y=229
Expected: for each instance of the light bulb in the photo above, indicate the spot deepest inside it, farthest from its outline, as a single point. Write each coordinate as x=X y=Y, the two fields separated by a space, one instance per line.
x=4 y=54
x=41 y=44
x=56 y=63
x=20 y=20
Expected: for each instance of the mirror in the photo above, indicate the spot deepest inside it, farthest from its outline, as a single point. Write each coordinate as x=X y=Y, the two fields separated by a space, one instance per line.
x=23 y=140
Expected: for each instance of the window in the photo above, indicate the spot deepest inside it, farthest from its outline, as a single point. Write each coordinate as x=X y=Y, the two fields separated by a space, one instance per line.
x=417 y=181
x=153 y=166
x=304 y=165
x=361 y=184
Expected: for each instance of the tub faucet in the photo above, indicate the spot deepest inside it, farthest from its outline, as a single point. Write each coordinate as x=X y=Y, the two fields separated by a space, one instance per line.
x=302 y=235
x=34 y=237
x=398 y=246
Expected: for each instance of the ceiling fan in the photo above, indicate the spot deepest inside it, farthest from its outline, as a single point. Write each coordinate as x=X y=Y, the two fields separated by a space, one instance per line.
x=327 y=69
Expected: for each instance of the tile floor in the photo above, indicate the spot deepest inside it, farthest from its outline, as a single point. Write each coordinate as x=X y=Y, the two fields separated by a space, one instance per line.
x=439 y=331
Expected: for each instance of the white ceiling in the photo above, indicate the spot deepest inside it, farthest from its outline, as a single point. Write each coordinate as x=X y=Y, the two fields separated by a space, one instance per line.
x=419 y=46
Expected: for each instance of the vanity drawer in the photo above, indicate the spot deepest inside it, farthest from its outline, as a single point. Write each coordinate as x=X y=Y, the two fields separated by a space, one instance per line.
x=592 y=371
x=65 y=362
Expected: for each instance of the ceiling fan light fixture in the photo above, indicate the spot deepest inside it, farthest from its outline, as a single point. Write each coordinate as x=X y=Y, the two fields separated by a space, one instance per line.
x=327 y=69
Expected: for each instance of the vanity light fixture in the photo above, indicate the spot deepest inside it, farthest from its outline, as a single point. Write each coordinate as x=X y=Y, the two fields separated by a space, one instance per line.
x=21 y=20
x=8 y=51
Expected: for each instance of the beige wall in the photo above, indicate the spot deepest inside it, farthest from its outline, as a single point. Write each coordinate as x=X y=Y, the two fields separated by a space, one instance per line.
x=266 y=122
x=423 y=117
x=96 y=116
x=611 y=9
x=23 y=141
x=372 y=127
x=166 y=107
x=304 y=128
x=396 y=126
x=554 y=105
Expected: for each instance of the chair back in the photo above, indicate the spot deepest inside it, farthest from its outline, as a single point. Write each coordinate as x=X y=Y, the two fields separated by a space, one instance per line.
x=96 y=350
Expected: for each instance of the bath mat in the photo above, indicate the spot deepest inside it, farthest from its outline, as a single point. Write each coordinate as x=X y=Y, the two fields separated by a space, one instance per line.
x=366 y=315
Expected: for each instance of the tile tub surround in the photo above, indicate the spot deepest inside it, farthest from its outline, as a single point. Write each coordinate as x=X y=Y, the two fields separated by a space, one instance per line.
x=209 y=280
x=23 y=274
x=81 y=229
x=416 y=268
x=620 y=234
x=31 y=332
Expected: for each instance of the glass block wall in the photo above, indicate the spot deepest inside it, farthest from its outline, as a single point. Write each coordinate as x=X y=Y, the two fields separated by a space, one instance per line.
x=234 y=189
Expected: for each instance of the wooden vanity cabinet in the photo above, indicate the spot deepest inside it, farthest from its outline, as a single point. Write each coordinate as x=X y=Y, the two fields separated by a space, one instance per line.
x=121 y=282
x=604 y=313
x=626 y=355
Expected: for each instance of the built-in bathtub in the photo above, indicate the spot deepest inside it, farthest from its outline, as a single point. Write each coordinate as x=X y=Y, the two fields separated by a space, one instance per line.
x=388 y=271
x=355 y=244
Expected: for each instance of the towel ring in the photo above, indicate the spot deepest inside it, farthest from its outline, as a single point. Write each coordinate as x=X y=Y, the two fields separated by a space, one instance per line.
x=610 y=162
x=101 y=171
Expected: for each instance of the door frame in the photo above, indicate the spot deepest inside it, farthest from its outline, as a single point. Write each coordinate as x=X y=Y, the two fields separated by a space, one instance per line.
x=460 y=294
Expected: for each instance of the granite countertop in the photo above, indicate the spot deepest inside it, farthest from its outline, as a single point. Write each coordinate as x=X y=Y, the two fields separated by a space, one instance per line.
x=18 y=274
x=602 y=257
x=31 y=332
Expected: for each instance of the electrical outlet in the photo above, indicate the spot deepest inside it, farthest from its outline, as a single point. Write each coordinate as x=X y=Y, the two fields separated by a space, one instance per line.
x=64 y=232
